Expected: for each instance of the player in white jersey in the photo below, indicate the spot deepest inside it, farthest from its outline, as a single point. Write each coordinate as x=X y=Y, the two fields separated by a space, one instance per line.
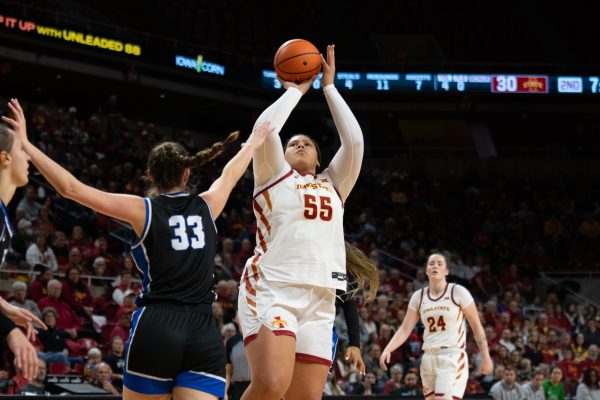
x=443 y=308
x=287 y=292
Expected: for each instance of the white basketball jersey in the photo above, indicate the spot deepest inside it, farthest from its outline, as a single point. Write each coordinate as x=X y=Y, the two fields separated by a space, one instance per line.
x=442 y=317
x=300 y=233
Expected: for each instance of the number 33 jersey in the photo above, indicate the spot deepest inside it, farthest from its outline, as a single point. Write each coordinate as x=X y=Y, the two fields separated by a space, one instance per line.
x=300 y=233
x=443 y=316
x=176 y=253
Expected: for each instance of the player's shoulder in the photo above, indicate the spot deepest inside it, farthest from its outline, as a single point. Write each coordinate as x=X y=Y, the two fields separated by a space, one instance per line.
x=456 y=288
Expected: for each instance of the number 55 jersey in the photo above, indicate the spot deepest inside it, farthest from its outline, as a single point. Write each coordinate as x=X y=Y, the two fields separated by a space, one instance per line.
x=300 y=234
x=176 y=253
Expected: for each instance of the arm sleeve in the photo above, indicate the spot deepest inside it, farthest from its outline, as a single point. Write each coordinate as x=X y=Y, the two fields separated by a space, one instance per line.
x=462 y=296
x=269 y=161
x=6 y=325
x=351 y=316
x=345 y=166
x=413 y=304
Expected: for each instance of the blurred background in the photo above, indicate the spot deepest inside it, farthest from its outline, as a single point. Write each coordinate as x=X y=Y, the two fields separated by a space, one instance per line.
x=482 y=130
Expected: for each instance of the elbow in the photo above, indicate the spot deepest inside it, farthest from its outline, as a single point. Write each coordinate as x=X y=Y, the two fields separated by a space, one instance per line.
x=67 y=190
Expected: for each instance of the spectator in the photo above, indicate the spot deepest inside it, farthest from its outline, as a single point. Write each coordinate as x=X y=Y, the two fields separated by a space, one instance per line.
x=591 y=334
x=37 y=385
x=122 y=328
x=76 y=293
x=238 y=372
x=103 y=378
x=588 y=388
x=67 y=319
x=20 y=299
x=420 y=280
x=100 y=288
x=126 y=283
x=28 y=205
x=410 y=388
x=53 y=339
x=553 y=387
x=60 y=246
x=506 y=340
x=367 y=387
x=592 y=360
x=40 y=253
x=74 y=261
x=368 y=328
x=93 y=358
x=115 y=360
x=39 y=287
x=533 y=390
x=371 y=360
x=507 y=389
x=395 y=381
x=579 y=349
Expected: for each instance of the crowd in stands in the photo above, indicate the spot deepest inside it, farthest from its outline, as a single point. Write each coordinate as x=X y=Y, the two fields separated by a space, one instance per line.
x=71 y=266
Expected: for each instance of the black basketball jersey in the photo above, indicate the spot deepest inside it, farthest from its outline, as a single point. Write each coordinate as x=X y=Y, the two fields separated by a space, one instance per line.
x=7 y=233
x=176 y=252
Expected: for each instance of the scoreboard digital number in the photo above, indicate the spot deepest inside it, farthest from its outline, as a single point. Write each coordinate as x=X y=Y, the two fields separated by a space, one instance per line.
x=434 y=83
x=519 y=84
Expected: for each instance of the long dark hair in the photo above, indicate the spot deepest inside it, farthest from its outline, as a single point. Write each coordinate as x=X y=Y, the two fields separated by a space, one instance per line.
x=363 y=270
x=167 y=162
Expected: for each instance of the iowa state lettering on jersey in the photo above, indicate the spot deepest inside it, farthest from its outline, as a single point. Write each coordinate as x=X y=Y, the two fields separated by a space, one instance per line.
x=436 y=308
x=313 y=186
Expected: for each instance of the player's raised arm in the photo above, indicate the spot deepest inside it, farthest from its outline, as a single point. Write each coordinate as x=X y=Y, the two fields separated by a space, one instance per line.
x=125 y=207
x=345 y=166
x=268 y=161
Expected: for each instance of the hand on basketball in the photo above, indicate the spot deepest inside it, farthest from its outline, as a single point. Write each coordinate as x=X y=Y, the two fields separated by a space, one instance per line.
x=17 y=122
x=486 y=366
x=328 y=66
x=353 y=355
x=21 y=317
x=384 y=360
x=259 y=135
x=303 y=86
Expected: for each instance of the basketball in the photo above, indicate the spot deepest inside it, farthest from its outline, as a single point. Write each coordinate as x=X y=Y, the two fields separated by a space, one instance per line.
x=297 y=60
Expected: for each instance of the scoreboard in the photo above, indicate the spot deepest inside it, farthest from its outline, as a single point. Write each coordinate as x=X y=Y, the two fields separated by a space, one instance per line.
x=454 y=83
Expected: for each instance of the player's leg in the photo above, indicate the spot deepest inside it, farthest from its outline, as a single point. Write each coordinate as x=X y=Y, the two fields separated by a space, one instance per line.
x=271 y=359
x=315 y=338
x=308 y=380
x=452 y=373
x=428 y=376
x=153 y=355
x=203 y=375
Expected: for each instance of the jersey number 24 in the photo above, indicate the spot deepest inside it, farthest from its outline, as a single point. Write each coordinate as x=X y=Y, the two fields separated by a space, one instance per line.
x=182 y=241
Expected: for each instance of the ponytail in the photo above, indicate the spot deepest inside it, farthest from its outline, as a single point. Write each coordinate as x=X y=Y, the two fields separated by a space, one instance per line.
x=168 y=161
x=209 y=154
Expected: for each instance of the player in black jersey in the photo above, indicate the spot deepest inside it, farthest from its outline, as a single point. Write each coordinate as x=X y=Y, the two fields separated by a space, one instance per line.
x=175 y=347
x=14 y=166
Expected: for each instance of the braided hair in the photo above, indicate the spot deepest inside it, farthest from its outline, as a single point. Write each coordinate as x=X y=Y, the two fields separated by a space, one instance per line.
x=168 y=161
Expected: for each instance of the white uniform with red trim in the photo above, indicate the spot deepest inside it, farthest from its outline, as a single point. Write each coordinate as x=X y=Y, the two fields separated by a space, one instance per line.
x=289 y=285
x=444 y=367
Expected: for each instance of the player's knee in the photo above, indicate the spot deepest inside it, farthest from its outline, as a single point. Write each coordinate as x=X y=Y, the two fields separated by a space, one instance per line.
x=271 y=386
